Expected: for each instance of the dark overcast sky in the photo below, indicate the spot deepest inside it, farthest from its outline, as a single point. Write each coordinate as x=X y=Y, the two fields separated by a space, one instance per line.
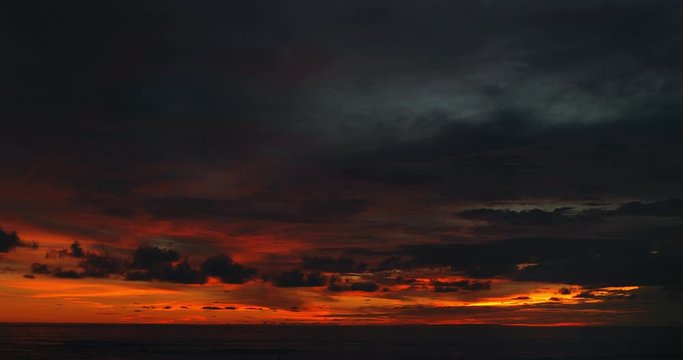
x=329 y=145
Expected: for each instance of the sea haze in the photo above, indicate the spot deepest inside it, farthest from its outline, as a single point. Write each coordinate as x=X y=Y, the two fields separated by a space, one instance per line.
x=42 y=341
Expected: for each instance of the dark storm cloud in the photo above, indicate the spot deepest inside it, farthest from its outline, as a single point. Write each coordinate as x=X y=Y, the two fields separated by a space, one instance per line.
x=664 y=208
x=524 y=217
x=514 y=157
x=538 y=115
x=657 y=220
x=303 y=211
x=588 y=262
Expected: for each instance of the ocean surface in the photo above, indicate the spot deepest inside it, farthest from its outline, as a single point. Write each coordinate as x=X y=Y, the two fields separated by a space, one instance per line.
x=336 y=342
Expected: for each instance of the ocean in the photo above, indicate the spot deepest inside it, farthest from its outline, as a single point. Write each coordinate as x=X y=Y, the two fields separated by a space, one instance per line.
x=198 y=342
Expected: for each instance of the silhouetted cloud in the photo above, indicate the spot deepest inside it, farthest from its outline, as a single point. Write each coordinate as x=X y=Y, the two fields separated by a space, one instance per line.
x=607 y=294
x=365 y=286
x=224 y=268
x=589 y=262
x=182 y=273
x=297 y=278
x=150 y=257
x=101 y=265
x=340 y=264
x=66 y=274
x=91 y=265
x=37 y=268
x=77 y=250
x=564 y=215
x=453 y=286
x=10 y=240
x=147 y=264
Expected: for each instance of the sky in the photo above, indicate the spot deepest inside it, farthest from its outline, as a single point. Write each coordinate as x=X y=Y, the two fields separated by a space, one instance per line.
x=342 y=162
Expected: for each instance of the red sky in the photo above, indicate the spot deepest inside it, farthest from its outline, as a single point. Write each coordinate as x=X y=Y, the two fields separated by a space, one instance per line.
x=342 y=162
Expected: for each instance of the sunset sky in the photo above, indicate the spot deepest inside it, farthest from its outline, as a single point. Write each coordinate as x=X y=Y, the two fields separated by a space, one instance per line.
x=342 y=162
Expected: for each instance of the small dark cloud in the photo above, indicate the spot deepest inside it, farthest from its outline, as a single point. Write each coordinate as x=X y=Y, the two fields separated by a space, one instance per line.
x=224 y=268
x=150 y=257
x=218 y=308
x=391 y=263
x=182 y=273
x=147 y=264
x=607 y=294
x=75 y=250
x=154 y=263
x=37 y=268
x=138 y=276
x=297 y=278
x=160 y=267
x=10 y=240
x=101 y=265
x=467 y=285
x=365 y=286
x=565 y=291
x=66 y=274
